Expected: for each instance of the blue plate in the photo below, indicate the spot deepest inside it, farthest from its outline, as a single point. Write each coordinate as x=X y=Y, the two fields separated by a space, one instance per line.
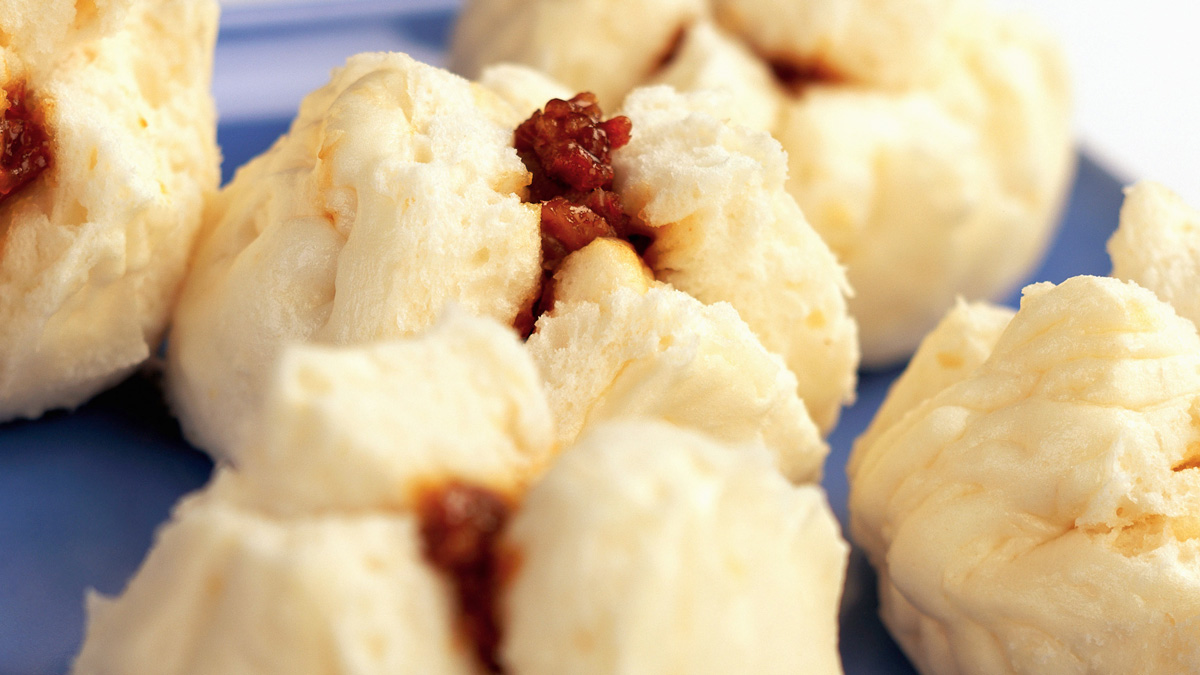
x=82 y=493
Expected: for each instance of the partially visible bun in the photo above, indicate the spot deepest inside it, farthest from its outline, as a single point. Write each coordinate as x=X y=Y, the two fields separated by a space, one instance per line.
x=1157 y=244
x=94 y=247
x=656 y=550
x=928 y=141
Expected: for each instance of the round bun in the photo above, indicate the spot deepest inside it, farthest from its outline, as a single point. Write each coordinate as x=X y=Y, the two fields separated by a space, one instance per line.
x=399 y=189
x=928 y=141
x=314 y=549
x=1034 y=508
x=93 y=248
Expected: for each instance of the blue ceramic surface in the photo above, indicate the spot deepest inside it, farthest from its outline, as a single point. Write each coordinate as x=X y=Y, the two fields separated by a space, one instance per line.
x=82 y=493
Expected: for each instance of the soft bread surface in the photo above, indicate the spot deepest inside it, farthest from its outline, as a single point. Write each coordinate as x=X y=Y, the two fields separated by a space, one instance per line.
x=651 y=549
x=1038 y=511
x=726 y=230
x=618 y=345
x=395 y=192
x=365 y=427
x=312 y=554
x=92 y=251
x=1157 y=244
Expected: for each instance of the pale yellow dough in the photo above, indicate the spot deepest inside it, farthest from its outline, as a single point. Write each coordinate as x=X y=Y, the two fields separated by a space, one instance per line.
x=726 y=230
x=958 y=345
x=37 y=35
x=652 y=550
x=309 y=553
x=604 y=46
x=362 y=428
x=229 y=590
x=618 y=345
x=396 y=191
x=92 y=252
x=1030 y=492
x=308 y=557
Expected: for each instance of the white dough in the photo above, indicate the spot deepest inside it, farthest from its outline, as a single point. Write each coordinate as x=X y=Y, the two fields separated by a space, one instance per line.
x=1041 y=511
x=92 y=252
x=396 y=191
x=648 y=549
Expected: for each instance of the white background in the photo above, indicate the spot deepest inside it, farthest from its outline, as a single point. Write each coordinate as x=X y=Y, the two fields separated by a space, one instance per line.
x=1137 y=85
x=1135 y=67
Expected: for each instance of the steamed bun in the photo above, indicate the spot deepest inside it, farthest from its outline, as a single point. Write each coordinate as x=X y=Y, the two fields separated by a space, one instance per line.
x=928 y=142
x=230 y=589
x=320 y=551
x=112 y=99
x=399 y=189
x=1035 y=507
x=312 y=551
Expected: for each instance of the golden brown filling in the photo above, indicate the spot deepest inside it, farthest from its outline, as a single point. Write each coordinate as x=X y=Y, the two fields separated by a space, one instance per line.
x=567 y=146
x=460 y=527
x=26 y=153
x=792 y=74
x=671 y=51
x=795 y=77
